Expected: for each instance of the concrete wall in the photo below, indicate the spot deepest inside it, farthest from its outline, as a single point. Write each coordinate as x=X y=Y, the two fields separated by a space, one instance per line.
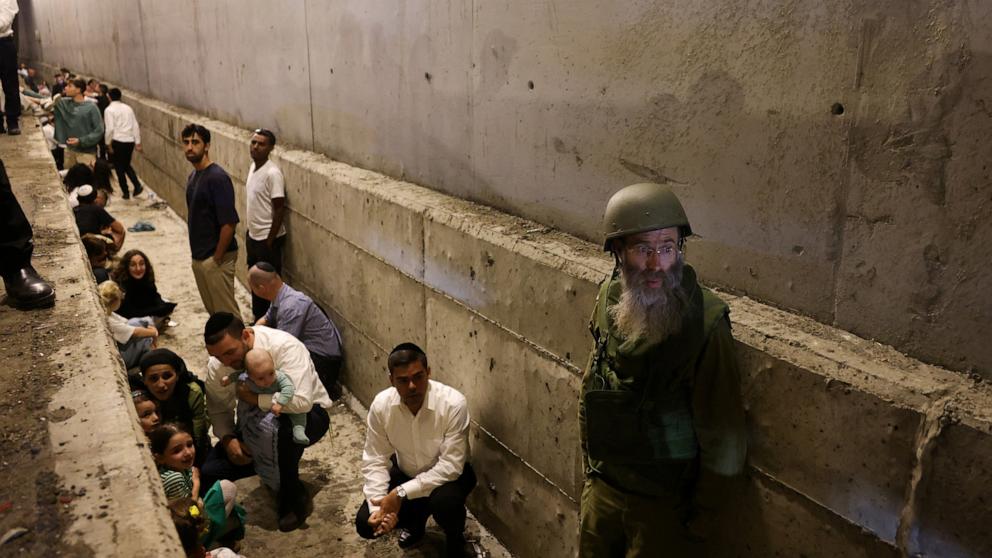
x=856 y=450
x=831 y=155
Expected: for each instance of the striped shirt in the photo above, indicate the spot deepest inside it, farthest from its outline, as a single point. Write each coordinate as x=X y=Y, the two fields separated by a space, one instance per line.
x=177 y=484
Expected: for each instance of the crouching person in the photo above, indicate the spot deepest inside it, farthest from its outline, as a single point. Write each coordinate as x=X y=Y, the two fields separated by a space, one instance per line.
x=407 y=479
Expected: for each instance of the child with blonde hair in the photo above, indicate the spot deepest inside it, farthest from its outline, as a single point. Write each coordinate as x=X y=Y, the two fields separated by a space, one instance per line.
x=134 y=337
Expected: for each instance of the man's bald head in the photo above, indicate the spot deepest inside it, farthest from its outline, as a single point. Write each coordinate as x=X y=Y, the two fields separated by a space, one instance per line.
x=264 y=281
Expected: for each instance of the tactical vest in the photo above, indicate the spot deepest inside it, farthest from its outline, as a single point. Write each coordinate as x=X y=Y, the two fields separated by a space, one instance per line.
x=637 y=397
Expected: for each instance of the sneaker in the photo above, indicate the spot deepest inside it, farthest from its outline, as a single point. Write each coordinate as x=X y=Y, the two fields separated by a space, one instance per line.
x=138 y=188
x=13 y=131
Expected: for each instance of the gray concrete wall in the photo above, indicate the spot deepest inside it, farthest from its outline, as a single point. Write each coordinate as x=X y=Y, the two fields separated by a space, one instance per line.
x=856 y=450
x=831 y=155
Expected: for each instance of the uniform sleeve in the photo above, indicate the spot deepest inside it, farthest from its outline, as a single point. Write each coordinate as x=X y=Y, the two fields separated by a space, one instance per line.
x=718 y=414
x=453 y=452
x=375 y=457
x=222 y=191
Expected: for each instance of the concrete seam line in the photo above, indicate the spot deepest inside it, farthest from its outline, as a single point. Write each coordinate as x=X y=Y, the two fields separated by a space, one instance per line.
x=525 y=462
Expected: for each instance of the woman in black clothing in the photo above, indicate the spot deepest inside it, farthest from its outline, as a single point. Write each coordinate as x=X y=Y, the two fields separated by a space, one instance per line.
x=136 y=277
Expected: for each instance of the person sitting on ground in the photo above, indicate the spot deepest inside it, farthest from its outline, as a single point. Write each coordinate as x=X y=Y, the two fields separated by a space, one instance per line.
x=101 y=181
x=227 y=340
x=147 y=409
x=190 y=524
x=415 y=459
x=76 y=176
x=179 y=394
x=262 y=377
x=91 y=218
x=134 y=337
x=174 y=453
x=297 y=314
x=97 y=248
x=135 y=275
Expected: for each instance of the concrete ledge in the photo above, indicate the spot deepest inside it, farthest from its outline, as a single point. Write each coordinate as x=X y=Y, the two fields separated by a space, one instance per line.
x=849 y=455
x=101 y=458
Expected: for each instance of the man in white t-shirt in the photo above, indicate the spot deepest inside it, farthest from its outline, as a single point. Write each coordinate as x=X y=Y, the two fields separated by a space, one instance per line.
x=266 y=203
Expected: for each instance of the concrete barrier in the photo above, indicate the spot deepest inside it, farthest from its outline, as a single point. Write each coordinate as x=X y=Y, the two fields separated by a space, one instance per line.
x=110 y=487
x=856 y=449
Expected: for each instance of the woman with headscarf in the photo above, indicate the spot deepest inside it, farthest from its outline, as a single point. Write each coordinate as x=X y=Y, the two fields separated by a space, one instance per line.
x=180 y=395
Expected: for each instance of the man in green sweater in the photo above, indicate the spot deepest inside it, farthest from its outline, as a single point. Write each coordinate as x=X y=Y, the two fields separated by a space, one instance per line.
x=78 y=124
x=661 y=418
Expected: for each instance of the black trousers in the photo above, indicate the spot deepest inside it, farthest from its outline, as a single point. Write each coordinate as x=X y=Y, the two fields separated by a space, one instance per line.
x=59 y=155
x=122 y=164
x=8 y=81
x=328 y=370
x=258 y=251
x=292 y=494
x=16 y=244
x=446 y=503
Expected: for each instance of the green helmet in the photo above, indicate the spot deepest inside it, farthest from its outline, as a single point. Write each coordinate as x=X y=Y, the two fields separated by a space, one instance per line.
x=643 y=207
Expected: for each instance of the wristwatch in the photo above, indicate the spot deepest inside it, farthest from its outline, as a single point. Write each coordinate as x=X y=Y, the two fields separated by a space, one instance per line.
x=401 y=492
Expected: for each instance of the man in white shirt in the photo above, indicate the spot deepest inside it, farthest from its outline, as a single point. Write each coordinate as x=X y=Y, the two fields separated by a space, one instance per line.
x=227 y=340
x=415 y=458
x=122 y=136
x=265 y=205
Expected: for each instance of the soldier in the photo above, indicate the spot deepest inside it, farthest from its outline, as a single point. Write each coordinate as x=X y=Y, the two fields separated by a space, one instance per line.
x=660 y=409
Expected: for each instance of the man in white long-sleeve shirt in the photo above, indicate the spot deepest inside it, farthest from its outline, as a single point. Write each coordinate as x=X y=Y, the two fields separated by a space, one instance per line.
x=122 y=136
x=227 y=340
x=415 y=459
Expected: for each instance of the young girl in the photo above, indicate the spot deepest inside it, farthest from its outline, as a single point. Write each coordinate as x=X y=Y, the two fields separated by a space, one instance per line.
x=134 y=274
x=174 y=452
x=147 y=409
x=134 y=337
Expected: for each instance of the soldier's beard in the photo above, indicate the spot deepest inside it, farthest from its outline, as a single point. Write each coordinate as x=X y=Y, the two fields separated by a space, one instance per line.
x=650 y=314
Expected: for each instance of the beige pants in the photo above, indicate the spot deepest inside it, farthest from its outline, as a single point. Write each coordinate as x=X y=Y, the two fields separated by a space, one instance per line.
x=216 y=283
x=74 y=157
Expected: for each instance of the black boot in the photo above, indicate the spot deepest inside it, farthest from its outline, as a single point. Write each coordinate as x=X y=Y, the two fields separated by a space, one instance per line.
x=26 y=289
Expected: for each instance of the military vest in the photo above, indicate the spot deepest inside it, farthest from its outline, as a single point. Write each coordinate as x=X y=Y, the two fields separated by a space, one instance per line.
x=637 y=396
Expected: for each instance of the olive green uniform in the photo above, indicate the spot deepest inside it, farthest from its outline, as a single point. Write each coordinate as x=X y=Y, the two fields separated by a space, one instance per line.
x=662 y=430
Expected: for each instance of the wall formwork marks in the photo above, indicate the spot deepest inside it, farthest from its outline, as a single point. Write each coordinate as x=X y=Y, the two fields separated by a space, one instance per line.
x=856 y=449
x=831 y=154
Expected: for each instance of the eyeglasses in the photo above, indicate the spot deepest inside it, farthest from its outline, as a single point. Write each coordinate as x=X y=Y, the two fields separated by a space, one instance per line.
x=664 y=252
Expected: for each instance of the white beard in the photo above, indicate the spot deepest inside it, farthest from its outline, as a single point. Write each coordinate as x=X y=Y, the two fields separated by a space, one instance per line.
x=652 y=315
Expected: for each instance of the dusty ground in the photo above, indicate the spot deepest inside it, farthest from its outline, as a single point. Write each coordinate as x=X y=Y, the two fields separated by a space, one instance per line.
x=331 y=469
x=32 y=512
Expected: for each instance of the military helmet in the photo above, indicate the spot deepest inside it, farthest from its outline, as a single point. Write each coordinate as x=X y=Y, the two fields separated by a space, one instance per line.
x=643 y=207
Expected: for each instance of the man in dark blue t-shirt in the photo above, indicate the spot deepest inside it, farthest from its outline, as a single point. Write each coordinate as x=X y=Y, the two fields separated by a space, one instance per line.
x=212 y=218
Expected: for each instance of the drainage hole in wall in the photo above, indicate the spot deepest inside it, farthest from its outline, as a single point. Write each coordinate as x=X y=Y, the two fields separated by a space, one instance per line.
x=427 y=76
x=530 y=85
x=837 y=109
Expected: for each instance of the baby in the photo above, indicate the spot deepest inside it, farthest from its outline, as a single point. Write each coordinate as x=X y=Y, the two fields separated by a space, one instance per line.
x=262 y=377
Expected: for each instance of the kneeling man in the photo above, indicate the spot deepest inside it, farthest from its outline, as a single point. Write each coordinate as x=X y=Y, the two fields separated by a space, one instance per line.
x=414 y=461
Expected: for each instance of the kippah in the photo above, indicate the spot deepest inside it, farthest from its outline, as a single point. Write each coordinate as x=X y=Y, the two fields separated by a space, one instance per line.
x=161 y=356
x=217 y=323
x=266 y=266
x=84 y=190
x=407 y=347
